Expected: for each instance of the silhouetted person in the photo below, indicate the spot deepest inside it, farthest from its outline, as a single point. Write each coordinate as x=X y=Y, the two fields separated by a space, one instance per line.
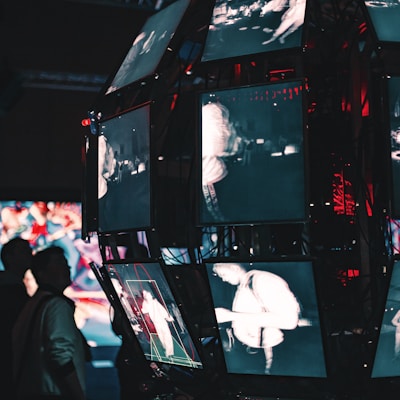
x=16 y=256
x=49 y=349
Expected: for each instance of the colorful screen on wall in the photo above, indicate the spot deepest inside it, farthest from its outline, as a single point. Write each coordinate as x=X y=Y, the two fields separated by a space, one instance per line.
x=384 y=16
x=149 y=45
x=387 y=354
x=124 y=201
x=394 y=120
x=46 y=224
x=153 y=313
x=240 y=28
x=268 y=317
x=252 y=155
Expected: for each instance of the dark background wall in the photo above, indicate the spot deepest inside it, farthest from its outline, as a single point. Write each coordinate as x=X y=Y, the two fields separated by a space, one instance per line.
x=55 y=56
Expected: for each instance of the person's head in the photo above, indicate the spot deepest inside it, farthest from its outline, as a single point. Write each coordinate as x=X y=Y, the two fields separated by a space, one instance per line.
x=147 y=295
x=229 y=272
x=50 y=267
x=16 y=256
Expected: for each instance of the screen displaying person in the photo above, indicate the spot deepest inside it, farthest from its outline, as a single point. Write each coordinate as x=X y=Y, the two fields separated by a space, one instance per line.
x=160 y=318
x=263 y=306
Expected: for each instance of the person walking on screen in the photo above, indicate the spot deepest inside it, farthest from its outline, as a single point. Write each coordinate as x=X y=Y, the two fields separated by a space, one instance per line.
x=49 y=350
x=263 y=305
x=160 y=318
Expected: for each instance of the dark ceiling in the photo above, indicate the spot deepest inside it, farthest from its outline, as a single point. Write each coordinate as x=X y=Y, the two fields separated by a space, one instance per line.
x=55 y=56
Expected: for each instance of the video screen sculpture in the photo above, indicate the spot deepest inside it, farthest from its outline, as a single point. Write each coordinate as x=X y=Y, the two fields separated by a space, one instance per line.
x=153 y=313
x=252 y=155
x=394 y=120
x=240 y=28
x=387 y=354
x=268 y=317
x=124 y=198
x=48 y=223
x=149 y=45
x=385 y=15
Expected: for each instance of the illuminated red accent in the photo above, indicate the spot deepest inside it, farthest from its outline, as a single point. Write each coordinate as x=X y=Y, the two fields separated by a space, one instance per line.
x=253 y=64
x=85 y=122
x=173 y=102
x=362 y=28
x=364 y=100
x=238 y=70
x=188 y=68
x=342 y=195
x=345 y=45
x=369 y=203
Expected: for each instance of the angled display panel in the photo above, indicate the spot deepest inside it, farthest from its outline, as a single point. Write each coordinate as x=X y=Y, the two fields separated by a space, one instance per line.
x=387 y=356
x=394 y=121
x=124 y=201
x=244 y=27
x=149 y=45
x=268 y=317
x=384 y=16
x=153 y=313
x=48 y=223
x=252 y=155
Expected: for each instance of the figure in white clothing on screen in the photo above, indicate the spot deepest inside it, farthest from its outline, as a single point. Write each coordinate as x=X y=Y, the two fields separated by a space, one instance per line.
x=219 y=140
x=396 y=323
x=263 y=305
x=160 y=318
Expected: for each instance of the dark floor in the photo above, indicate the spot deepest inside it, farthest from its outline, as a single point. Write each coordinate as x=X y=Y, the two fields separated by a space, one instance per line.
x=102 y=379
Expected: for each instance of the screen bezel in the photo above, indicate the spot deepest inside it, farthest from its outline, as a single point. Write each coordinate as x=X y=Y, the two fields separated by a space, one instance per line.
x=388 y=279
x=277 y=260
x=394 y=202
x=158 y=264
x=199 y=220
x=159 y=61
x=272 y=52
x=371 y=25
x=151 y=218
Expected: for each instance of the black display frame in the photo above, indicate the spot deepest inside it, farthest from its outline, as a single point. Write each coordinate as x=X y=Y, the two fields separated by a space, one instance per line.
x=195 y=363
x=274 y=50
x=146 y=177
x=370 y=19
x=258 y=371
x=303 y=209
x=162 y=57
x=383 y=367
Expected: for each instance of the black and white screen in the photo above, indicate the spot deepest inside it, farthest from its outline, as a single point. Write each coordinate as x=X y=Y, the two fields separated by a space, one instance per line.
x=124 y=172
x=149 y=45
x=268 y=318
x=394 y=118
x=385 y=16
x=153 y=313
x=252 y=155
x=387 y=357
x=247 y=27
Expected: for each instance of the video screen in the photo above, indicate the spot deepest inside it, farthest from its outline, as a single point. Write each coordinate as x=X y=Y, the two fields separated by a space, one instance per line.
x=246 y=27
x=149 y=45
x=153 y=313
x=387 y=357
x=124 y=201
x=252 y=155
x=385 y=15
x=394 y=118
x=46 y=224
x=268 y=317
